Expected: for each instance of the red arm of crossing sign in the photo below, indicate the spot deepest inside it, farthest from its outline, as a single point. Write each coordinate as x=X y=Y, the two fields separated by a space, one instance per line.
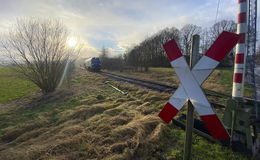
x=199 y=73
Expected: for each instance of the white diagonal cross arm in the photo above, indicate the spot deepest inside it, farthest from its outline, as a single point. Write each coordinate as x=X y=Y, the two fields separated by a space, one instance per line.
x=199 y=73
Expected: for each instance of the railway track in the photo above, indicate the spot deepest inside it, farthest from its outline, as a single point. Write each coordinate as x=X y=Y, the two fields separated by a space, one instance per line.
x=139 y=82
x=158 y=86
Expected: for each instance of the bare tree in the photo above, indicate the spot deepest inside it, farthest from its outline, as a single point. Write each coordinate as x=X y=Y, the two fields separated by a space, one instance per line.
x=219 y=27
x=209 y=35
x=216 y=30
x=38 y=49
x=186 y=36
x=104 y=58
x=150 y=51
x=104 y=53
x=133 y=58
x=205 y=41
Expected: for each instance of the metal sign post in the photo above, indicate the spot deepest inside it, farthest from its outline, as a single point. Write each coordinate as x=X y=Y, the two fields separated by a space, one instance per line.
x=194 y=56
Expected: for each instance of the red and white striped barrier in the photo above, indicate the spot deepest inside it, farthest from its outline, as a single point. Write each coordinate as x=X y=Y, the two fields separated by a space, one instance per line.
x=191 y=81
x=238 y=78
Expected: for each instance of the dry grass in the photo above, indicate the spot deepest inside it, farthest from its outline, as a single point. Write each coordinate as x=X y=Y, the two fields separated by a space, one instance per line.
x=94 y=122
x=111 y=126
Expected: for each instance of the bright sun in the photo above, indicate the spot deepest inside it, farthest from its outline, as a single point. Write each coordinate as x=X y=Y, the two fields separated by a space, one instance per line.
x=72 y=42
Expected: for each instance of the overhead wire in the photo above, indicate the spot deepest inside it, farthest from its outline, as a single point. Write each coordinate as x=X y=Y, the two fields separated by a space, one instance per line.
x=217 y=11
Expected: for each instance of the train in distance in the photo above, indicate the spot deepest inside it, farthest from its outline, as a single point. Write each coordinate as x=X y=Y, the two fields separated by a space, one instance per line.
x=93 y=64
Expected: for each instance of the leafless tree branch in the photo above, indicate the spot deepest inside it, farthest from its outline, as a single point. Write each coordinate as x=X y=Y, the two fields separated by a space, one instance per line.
x=37 y=47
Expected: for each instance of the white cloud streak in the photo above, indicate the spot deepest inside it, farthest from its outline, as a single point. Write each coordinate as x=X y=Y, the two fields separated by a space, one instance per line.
x=118 y=24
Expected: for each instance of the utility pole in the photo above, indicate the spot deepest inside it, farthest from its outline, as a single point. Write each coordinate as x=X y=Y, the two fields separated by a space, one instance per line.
x=194 y=57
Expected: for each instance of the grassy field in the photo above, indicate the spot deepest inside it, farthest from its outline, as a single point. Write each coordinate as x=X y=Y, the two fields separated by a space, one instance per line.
x=12 y=87
x=92 y=120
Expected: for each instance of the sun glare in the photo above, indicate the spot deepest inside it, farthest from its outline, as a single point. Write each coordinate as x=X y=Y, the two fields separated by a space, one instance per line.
x=72 y=42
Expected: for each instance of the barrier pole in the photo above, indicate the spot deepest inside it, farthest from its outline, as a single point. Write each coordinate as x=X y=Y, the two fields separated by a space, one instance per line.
x=240 y=55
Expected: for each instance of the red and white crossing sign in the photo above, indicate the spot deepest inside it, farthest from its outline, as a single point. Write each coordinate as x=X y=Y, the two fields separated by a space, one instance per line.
x=191 y=80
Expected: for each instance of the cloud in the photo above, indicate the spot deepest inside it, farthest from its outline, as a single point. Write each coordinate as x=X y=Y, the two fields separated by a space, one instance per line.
x=86 y=50
x=119 y=24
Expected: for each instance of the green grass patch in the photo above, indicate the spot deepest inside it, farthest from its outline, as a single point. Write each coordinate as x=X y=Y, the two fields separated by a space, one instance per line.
x=48 y=111
x=160 y=69
x=226 y=78
x=12 y=87
x=205 y=150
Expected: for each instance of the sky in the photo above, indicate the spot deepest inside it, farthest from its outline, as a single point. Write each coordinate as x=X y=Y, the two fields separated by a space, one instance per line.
x=117 y=24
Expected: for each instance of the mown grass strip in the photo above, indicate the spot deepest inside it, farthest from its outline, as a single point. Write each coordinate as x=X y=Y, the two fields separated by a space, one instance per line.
x=12 y=87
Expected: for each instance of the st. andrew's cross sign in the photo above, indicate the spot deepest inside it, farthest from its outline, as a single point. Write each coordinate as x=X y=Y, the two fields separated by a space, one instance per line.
x=191 y=80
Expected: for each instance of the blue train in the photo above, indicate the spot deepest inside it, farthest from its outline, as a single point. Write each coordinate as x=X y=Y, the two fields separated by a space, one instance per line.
x=93 y=64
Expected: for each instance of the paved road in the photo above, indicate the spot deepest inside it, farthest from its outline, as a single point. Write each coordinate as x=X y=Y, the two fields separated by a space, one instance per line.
x=257 y=81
